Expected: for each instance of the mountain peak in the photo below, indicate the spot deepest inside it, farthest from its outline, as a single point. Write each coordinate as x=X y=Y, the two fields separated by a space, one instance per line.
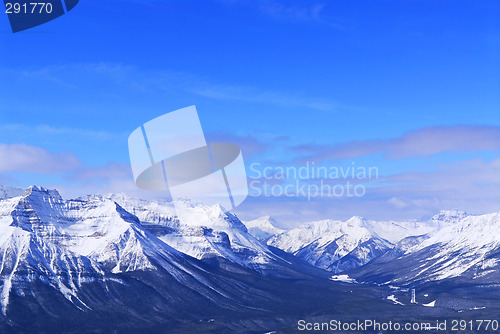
x=356 y=221
x=450 y=216
x=37 y=191
x=263 y=228
x=333 y=245
x=267 y=221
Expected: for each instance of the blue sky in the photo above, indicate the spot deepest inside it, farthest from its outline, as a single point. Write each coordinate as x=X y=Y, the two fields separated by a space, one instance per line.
x=412 y=87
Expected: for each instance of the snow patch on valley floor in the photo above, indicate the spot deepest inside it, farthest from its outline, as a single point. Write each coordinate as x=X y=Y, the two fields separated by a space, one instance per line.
x=431 y=304
x=393 y=299
x=343 y=278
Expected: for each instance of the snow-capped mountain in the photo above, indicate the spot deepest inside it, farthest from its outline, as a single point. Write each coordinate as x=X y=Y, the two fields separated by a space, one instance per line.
x=80 y=250
x=448 y=217
x=464 y=246
x=263 y=228
x=108 y=262
x=333 y=245
x=342 y=245
x=89 y=265
x=467 y=242
x=208 y=232
x=394 y=231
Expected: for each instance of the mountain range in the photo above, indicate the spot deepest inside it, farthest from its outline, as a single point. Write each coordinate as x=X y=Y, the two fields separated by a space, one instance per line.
x=117 y=264
x=338 y=246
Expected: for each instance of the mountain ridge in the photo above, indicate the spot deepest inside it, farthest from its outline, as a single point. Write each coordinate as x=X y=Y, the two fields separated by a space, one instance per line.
x=89 y=265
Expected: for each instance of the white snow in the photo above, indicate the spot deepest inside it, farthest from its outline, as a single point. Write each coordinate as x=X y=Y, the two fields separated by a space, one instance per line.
x=61 y=234
x=343 y=278
x=325 y=242
x=450 y=232
x=204 y=232
x=431 y=304
x=394 y=300
x=477 y=308
x=263 y=228
x=68 y=239
x=472 y=237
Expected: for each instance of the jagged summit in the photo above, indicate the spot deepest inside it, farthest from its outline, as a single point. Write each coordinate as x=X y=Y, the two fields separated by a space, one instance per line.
x=460 y=246
x=204 y=232
x=339 y=245
x=42 y=193
x=450 y=216
x=356 y=221
x=263 y=228
x=331 y=244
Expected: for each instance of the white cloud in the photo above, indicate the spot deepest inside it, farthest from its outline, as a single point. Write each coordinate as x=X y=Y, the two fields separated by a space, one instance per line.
x=418 y=143
x=32 y=159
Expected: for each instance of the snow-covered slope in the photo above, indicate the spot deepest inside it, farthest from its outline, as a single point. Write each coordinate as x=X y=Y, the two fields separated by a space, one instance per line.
x=343 y=245
x=97 y=229
x=394 y=231
x=463 y=246
x=333 y=245
x=263 y=228
x=69 y=247
x=208 y=232
x=465 y=243
x=88 y=263
x=448 y=217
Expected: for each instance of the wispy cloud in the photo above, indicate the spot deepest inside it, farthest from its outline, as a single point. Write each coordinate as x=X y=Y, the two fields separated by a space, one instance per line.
x=154 y=81
x=110 y=178
x=423 y=142
x=470 y=185
x=43 y=129
x=249 y=144
x=32 y=159
x=76 y=178
x=290 y=11
x=252 y=94
x=110 y=171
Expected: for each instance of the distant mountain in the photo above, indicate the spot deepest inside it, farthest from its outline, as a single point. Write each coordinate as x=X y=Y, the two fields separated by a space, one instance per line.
x=394 y=231
x=448 y=217
x=263 y=228
x=464 y=246
x=343 y=245
x=333 y=245
x=9 y=192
